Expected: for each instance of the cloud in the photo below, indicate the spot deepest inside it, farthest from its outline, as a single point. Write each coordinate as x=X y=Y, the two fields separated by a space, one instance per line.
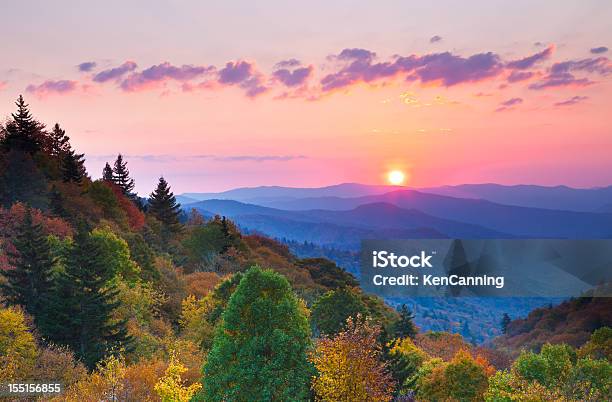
x=446 y=68
x=516 y=76
x=115 y=73
x=287 y=63
x=243 y=74
x=157 y=74
x=295 y=77
x=530 y=61
x=86 y=66
x=507 y=105
x=561 y=74
x=599 y=50
x=50 y=87
x=572 y=101
x=435 y=38
x=251 y=158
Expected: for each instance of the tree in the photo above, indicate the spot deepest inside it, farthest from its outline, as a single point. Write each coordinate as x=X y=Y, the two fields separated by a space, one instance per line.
x=404 y=327
x=121 y=177
x=73 y=167
x=349 y=366
x=404 y=359
x=23 y=133
x=79 y=312
x=29 y=282
x=330 y=312
x=505 y=321
x=59 y=142
x=462 y=379
x=259 y=351
x=107 y=173
x=17 y=346
x=170 y=387
x=163 y=206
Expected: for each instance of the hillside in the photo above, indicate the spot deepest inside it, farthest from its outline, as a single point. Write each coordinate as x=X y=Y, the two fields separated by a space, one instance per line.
x=571 y=322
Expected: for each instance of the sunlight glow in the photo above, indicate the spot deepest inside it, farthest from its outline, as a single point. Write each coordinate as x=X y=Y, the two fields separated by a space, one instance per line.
x=396 y=177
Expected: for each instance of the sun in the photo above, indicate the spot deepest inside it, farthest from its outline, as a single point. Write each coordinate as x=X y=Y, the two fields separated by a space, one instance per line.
x=396 y=177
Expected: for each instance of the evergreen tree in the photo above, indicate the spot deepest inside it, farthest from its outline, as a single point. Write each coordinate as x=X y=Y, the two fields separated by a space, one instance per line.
x=59 y=142
x=404 y=327
x=163 y=206
x=73 y=167
x=80 y=309
x=259 y=353
x=56 y=203
x=107 y=173
x=121 y=177
x=29 y=282
x=505 y=321
x=23 y=133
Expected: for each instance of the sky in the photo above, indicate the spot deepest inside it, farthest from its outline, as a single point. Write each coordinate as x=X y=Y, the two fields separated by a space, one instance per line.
x=218 y=95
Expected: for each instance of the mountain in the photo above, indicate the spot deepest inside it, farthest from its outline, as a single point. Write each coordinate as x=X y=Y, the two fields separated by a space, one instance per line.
x=270 y=194
x=385 y=215
x=342 y=229
x=557 y=197
x=513 y=220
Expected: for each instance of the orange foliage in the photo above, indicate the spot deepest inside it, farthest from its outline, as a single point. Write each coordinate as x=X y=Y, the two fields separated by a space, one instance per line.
x=441 y=344
x=12 y=218
x=136 y=218
x=200 y=284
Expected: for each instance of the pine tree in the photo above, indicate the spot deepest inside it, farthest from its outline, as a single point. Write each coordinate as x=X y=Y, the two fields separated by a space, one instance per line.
x=404 y=327
x=23 y=133
x=29 y=282
x=107 y=173
x=505 y=321
x=73 y=167
x=59 y=142
x=121 y=177
x=80 y=309
x=163 y=206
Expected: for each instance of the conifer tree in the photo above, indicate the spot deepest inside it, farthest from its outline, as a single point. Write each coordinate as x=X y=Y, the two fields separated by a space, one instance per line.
x=23 y=133
x=405 y=327
x=121 y=177
x=163 y=206
x=80 y=309
x=73 y=167
x=59 y=142
x=107 y=173
x=29 y=282
x=505 y=321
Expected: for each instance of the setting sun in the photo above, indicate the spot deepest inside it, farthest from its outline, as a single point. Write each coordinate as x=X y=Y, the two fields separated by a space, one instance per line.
x=396 y=177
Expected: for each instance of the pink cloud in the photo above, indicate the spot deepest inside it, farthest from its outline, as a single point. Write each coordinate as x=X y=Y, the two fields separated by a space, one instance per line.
x=156 y=75
x=50 y=87
x=115 y=73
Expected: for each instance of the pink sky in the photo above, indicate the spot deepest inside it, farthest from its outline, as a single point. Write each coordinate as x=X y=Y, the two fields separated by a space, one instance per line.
x=226 y=96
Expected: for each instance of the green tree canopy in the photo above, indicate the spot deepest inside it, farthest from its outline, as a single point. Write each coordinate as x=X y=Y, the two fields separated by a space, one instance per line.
x=259 y=351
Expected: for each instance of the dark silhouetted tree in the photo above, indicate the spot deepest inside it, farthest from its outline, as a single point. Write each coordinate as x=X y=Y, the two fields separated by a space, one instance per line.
x=107 y=173
x=23 y=133
x=163 y=206
x=59 y=142
x=121 y=177
x=29 y=281
x=73 y=167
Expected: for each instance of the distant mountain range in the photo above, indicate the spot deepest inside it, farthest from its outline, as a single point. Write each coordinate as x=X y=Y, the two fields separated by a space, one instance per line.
x=405 y=214
x=547 y=197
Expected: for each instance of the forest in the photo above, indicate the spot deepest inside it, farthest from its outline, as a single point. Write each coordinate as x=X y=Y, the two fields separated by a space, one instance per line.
x=120 y=297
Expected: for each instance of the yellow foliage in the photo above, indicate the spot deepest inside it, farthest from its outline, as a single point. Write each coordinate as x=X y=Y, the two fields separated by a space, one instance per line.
x=17 y=347
x=193 y=321
x=349 y=366
x=171 y=387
